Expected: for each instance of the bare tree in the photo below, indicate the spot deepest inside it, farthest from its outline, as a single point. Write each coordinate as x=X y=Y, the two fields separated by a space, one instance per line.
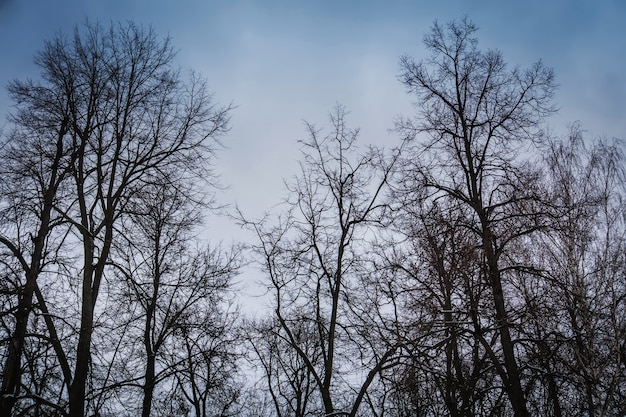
x=127 y=113
x=581 y=331
x=173 y=288
x=207 y=364
x=287 y=378
x=313 y=259
x=36 y=162
x=475 y=118
x=431 y=272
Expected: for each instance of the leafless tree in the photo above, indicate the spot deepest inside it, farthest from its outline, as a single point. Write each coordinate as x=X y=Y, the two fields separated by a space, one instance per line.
x=432 y=273
x=207 y=365
x=580 y=331
x=313 y=258
x=475 y=117
x=37 y=160
x=120 y=112
x=286 y=377
x=173 y=289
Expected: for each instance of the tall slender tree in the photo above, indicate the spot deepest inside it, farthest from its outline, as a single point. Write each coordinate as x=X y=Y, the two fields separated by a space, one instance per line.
x=475 y=117
x=37 y=158
x=582 y=255
x=120 y=108
x=313 y=259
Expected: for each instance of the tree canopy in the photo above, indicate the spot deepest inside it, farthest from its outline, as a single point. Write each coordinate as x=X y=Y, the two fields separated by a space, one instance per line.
x=475 y=267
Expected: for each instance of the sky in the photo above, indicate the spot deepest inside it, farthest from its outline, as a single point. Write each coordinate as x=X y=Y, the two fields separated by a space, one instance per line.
x=283 y=62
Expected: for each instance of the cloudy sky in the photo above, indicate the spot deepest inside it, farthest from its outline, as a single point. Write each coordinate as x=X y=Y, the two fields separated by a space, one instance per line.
x=281 y=62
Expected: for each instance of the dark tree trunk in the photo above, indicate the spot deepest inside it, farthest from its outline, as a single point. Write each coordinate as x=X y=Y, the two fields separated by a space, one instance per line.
x=13 y=370
x=83 y=353
x=148 y=388
x=512 y=383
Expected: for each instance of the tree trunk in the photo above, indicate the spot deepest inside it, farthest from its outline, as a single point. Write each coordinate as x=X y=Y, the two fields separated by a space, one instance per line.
x=149 y=381
x=13 y=370
x=83 y=353
x=148 y=388
x=512 y=383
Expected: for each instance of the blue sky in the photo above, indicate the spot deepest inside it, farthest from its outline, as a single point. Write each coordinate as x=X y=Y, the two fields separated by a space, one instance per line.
x=282 y=62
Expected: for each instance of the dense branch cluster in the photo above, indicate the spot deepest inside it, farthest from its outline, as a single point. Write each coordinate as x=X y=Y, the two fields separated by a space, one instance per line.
x=477 y=268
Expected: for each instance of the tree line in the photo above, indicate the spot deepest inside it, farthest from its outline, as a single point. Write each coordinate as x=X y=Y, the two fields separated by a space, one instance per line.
x=476 y=267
